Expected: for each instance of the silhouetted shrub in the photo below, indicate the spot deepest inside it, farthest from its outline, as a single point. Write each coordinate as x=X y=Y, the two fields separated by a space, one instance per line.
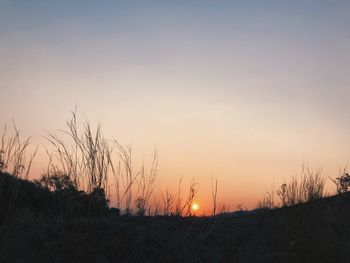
x=140 y=206
x=97 y=203
x=56 y=182
x=52 y=196
x=114 y=211
x=17 y=194
x=342 y=182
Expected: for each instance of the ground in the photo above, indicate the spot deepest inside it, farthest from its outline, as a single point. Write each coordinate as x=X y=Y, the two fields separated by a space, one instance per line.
x=313 y=232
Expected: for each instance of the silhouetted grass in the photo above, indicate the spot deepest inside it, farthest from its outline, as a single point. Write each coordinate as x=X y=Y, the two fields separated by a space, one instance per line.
x=65 y=215
x=307 y=187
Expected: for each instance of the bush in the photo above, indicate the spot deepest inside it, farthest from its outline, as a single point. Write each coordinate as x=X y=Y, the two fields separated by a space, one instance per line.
x=342 y=183
x=52 y=196
x=17 y=194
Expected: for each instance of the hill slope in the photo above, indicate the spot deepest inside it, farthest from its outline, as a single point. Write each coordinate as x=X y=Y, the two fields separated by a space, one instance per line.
x=313 y=232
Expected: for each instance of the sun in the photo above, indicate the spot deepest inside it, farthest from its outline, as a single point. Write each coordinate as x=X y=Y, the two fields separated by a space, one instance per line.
x=195 y=206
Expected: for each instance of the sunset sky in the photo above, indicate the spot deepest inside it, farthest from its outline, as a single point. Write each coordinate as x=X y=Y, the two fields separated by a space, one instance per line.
x=241 y=90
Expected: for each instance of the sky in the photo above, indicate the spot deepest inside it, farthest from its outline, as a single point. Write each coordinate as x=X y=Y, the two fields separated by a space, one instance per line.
x=244 y=91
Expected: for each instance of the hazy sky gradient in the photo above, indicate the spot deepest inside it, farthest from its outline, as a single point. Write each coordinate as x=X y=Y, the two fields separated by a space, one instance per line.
x=244 y=90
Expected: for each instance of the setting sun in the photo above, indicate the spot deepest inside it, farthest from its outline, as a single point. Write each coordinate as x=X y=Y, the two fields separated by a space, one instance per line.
x=195 y=206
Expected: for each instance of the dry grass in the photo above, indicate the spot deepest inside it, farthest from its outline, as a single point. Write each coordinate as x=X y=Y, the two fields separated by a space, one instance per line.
x=86 y=158
x=13 y=153
x=168 y=201
x=89 y=161
x=306 y=187
x=214 y=192
x=13 y=160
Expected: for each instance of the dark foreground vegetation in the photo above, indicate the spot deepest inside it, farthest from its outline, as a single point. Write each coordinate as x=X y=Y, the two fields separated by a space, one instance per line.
x=65 y=215
x=65 y=225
